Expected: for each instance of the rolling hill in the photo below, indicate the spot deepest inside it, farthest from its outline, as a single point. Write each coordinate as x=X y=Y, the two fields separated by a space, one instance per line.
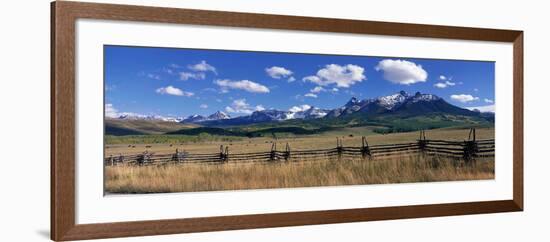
x=141 y=126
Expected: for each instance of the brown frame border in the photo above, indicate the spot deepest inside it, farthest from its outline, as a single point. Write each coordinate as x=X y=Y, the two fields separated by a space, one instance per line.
x=63 y=17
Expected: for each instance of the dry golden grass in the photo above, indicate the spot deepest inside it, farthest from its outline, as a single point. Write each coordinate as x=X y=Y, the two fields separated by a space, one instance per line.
x=188 y=178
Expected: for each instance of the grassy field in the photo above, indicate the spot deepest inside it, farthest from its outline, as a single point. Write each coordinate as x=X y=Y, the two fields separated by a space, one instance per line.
x=188 y=178
x=210 y=144
x=202 y=177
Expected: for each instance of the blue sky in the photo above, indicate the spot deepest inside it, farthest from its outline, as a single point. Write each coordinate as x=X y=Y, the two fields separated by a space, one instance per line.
x=182 y=82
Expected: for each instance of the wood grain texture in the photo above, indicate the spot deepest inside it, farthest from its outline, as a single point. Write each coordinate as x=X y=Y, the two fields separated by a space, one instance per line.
x=63 y=18
x=173 y=226
x=233 y=19
x=63 y=123
x=518 y=121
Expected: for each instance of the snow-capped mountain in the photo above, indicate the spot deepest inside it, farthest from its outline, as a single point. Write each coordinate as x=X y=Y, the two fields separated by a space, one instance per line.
x=193 y=119
x=272 y=115
x=135 y=116
x=353 y=105
x=310 y=113
x=189 y=119
x=388 y=104
x=314 y=112
x=172 y=119
x=219 y=115
x=276 y=115
x=401 y=103
x=269 y=115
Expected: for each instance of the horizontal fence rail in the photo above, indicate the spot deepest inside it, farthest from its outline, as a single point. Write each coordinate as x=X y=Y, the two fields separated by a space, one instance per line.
x=467 y=150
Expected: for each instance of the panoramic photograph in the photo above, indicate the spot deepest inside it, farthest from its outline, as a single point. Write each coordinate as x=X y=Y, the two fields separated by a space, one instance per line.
x=190 y=120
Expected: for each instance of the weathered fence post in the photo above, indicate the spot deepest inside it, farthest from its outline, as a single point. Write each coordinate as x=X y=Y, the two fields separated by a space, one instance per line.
x=365 y=150
x=149 y=158
x=140 y=159
x=422 y=142
x=145 y=157
x=178 y=156
x=110 y=160
x=287 y=152
x=226 y=156
x=120 y=159
x=470 y=147
x=472 y=134
x=222 y=154
x=272 y=153
x=339 y=148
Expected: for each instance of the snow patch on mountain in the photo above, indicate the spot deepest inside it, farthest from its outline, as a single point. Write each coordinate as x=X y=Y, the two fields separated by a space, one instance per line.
x=218 y=115
x=424 y=97
x=391 y=101
x=136 y=116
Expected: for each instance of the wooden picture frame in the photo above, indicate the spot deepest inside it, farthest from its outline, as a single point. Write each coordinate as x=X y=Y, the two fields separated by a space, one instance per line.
x=63 y=18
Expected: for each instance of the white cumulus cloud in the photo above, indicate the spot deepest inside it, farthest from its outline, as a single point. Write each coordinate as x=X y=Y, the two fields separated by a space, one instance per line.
x=310 y=95
x=278 y=72
x=300 y=108
x=444 y=84
x=154 y=76
x=203 y=106
x=259 y=108
x=440 y=85
x=463 y=98
x=402 y=72
x=184 y=76
x=241 y=106
x=170 y=90
x=110 y=111
x=245 y=85
x=483 y=109
x=317 y=89
x=488 y=100
x=341 y=76
x=202 y=67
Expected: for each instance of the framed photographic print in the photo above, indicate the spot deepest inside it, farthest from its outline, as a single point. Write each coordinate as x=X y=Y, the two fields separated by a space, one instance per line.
x=174 y=120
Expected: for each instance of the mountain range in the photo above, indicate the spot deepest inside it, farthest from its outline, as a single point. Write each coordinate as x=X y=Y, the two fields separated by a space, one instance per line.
x=219 y=115
x=398 y=105
x=401 y=104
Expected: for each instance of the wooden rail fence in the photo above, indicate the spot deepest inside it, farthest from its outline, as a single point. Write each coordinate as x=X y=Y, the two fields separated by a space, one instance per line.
x=468 y=150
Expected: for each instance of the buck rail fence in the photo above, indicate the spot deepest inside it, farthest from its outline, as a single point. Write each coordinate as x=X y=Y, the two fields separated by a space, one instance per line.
x=468 y=150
